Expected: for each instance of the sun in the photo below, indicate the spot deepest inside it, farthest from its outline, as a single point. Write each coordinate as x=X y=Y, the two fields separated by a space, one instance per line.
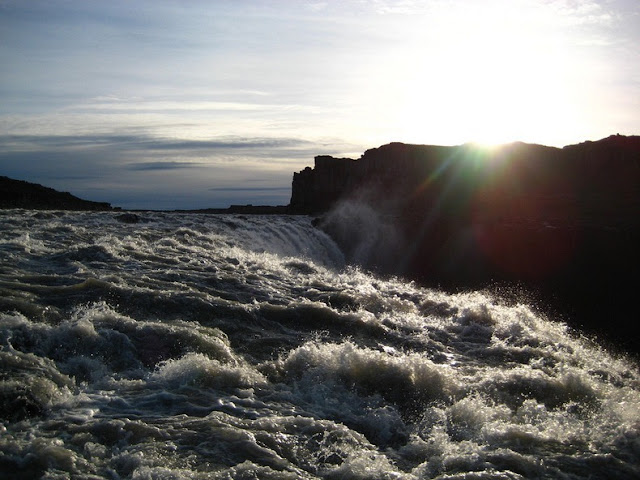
x=486 y=76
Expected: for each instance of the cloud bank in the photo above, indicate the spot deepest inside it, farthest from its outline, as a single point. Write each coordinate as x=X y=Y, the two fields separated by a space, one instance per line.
x=140 y=171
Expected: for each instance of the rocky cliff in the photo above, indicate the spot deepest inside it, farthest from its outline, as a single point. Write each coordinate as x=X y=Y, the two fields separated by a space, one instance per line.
x=562 y=222
x=605 y=173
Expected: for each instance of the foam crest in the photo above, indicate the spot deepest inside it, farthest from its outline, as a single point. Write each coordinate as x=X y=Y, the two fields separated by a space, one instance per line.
x=30 y=385
x=323 y=448
x=38 y=456
x=96 y=342
x=200 y=370
x=401 y=379
x=30 y=244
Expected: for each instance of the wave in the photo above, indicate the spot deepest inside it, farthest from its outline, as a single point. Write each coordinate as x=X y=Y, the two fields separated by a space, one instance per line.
x=193 y=346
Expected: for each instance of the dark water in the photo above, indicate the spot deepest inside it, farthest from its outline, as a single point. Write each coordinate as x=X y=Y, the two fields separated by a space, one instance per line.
x=228 y=347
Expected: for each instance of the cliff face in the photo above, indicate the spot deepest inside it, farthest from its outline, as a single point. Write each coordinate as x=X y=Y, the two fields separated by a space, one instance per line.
x=562 y=222
x=316 y=190
x=20 y=194
x=604 y=173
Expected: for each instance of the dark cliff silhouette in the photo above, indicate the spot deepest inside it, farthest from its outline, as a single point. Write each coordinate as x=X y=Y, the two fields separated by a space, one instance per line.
x=563 y=223
x=20 y=194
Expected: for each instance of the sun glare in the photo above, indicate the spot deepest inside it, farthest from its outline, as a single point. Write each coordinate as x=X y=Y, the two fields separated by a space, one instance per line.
x=485 y=76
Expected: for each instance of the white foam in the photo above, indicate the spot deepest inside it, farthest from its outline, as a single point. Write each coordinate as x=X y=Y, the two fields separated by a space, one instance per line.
x=198 y=369
x=326 y=372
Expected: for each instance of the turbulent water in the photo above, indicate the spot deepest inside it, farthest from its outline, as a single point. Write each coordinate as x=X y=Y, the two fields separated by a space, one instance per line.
x=242 y=347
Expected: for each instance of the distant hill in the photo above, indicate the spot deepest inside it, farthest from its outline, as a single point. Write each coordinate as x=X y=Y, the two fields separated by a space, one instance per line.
x=20 y=194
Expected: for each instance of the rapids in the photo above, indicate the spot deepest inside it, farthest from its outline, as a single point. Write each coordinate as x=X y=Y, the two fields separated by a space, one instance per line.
x=236 y=347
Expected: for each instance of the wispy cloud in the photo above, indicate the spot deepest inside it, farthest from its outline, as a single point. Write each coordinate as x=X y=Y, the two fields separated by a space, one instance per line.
x=146 y=166
x=574 y=12
x=143 y=105
x=30 y=142
x=136 y=170
x=250 y=189
x=145 y=142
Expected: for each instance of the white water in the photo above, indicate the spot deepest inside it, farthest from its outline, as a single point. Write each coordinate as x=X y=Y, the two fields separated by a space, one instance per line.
x=192 y=346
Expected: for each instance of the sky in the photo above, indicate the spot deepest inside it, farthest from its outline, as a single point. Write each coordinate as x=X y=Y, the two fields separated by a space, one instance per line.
x=195 y=104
